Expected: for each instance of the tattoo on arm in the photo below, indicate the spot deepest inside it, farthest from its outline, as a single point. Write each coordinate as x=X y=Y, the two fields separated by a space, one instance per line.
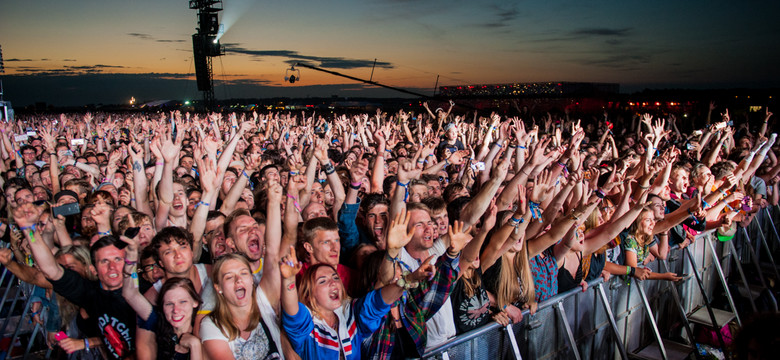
x=137 y=166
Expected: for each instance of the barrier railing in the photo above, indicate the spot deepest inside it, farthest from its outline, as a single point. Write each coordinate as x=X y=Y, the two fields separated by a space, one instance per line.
x=572 y=325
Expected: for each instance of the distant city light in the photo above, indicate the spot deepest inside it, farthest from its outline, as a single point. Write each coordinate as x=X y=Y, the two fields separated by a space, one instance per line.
x=187 y=102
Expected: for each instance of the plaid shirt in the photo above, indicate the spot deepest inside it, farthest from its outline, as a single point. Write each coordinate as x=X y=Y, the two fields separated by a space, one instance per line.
x=421 y=304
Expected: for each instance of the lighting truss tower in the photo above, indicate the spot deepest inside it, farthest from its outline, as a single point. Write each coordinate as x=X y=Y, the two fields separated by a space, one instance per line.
x=205 y=45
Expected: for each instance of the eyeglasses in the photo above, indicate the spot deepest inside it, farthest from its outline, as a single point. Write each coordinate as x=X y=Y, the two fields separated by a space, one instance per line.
x=148 y=268
x=443 y=179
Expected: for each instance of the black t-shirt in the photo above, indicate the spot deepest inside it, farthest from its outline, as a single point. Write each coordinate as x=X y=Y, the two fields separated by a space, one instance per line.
x=115 y=318
x=491 y=276
x=470 y=313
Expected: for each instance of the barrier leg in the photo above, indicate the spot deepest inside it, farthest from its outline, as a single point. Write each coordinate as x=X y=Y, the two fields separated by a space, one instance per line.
x=32 y=340
x=772 y=222
x=511 y=334
x=733 y=251
x=769 y=253
x=676 y=298
x=707 y=303
x=10 y=312
x=27 y=305
x=651 y=317
x=719 y=270
x=569 y=333
x=611 y=318
x=758 y=268
x=7 y=291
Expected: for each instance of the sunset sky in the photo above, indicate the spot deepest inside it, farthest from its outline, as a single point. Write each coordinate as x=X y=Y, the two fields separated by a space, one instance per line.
x=90 y=51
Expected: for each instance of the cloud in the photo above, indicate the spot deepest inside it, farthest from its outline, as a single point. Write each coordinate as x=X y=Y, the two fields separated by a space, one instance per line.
x=141 y=36
x=293 y=57
x=19 y=60
x=601 y=32
x=149 y=37
x=69 y=60
x=500 y=17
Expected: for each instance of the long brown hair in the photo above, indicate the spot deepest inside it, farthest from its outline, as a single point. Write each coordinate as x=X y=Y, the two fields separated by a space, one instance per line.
x=306 y=288
x=509 y=290
x=221 y=315
x=641 y=239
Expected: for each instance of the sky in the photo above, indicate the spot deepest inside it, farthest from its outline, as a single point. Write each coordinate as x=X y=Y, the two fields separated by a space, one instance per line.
x=107 y=51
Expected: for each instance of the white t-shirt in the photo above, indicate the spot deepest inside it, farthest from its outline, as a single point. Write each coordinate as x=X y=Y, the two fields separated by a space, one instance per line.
x=441 y=326
x=256 y=343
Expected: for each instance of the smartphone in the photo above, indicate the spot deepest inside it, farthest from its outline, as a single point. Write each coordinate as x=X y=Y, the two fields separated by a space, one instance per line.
x=697 y=132
x=132 y=232
x=66 y=210
x=478 y=166
x=689 y=146
x=32 y=133
x=21 y=138
x=60 y=336
x=77 y=142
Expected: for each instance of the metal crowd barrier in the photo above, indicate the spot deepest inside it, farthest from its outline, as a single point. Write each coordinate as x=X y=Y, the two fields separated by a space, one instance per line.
x=621 y=318
x=17 y=324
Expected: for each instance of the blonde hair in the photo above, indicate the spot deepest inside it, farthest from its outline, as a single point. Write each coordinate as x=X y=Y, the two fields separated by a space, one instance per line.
x=221 y=315
x=509 y=289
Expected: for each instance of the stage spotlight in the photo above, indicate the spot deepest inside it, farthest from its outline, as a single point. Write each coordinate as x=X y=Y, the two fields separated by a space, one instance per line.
x=292 y=75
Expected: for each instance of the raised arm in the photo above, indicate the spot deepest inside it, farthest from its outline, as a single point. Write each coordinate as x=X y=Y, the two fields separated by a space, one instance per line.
x=130 y=291
x=26 y=216
x=271 y=281
x=170 y=151
x=560 y=227
x=209 y=183
x=477 y=206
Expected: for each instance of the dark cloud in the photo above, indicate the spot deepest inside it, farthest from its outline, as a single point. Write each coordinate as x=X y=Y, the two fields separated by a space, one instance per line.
x=601 y=32
x=141 y=36
x=152 y=38
x=69 y=60
x=501 y=17
x=321 y=61
x=19 y=60
x=94 y=67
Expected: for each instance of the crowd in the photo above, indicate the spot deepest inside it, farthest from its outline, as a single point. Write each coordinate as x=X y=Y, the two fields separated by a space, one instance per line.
x=378 y=236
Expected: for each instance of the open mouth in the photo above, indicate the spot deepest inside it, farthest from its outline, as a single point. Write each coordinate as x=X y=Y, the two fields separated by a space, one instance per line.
x=240 y=293
x=113 y=276
x=177 y=318
x=253 y=246
x=378 y=231
x=335 y=294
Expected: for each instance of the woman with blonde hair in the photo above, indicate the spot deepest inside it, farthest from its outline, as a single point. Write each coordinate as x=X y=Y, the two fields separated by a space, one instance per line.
x=243 y=324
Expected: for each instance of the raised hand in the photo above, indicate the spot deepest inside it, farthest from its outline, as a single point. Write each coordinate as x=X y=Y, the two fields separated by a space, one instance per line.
x=397 y=234
x=274 y=191
x=407 y=171
x=209 y=177
x=426 y=271
x=459 y=237
x=542 y=187
x=358 y=170
x=27 y=214
x=290 y=266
